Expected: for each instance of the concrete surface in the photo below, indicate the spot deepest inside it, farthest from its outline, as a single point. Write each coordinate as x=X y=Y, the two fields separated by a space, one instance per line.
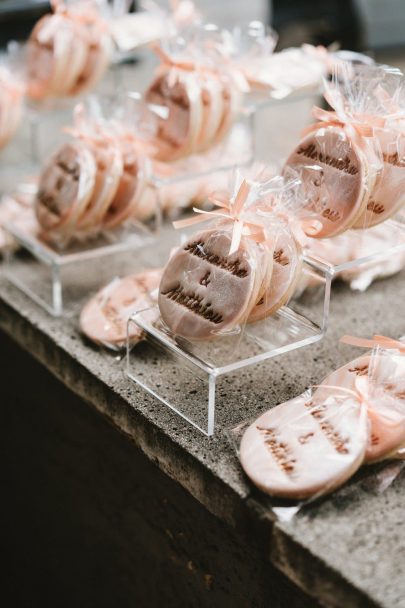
x=345 y=550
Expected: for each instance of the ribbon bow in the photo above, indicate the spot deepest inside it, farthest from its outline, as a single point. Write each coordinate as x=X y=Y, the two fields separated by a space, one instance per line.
x=229 y=212
x=358 y=125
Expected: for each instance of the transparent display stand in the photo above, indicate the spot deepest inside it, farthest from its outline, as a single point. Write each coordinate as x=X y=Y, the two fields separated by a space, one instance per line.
x=374 y=246
x=192 y=179
x=191 y=377
x=56 y=279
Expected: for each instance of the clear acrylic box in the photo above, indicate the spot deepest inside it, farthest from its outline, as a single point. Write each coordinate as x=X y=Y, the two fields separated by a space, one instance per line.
x=56 y=278
x=377 y=251
x=190 y=377
x=195 y=177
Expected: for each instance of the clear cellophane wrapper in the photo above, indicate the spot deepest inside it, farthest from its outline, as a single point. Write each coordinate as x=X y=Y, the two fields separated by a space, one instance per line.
x=12 y=94
x=345 y=436
x=109 y=161
x=348 y=171
x=69 y=50
x=152 y=23
x=17 y=208
x=239 y=268
x=196 y=96
x=104 y=317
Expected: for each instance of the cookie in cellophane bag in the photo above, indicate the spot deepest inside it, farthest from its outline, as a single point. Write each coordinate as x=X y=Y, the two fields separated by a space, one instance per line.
x=196 y=98
x=104 y=318
x=340 y=157
x=215 y=278
x=96 y=183
x=311 y=445
x=380 y=375
x=68 y=51
x=276 y=205
x=12 y=92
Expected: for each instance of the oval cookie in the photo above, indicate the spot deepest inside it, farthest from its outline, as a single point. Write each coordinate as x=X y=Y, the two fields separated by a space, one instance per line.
x=386 y=404
x=65 y=187
x=104 y=318
x=301 y=449
x=335 y=178
x=388 y=195
x=204 y=290
x=177 y=134
x=287 y=264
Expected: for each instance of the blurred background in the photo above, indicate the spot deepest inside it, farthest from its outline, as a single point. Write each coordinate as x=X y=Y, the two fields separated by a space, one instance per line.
x=366 y=25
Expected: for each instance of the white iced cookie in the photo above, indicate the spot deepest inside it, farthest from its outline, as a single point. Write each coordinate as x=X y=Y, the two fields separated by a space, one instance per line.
x=301 y=449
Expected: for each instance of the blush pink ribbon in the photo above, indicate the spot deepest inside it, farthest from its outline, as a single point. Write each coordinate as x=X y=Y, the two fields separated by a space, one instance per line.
x=377 y=340
x=193 y=65
x=229 y=212
x=358 y=125
x=84 y=130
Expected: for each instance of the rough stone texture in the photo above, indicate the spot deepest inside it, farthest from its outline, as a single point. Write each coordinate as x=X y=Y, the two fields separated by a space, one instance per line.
x=92 y=522
x=345 y=550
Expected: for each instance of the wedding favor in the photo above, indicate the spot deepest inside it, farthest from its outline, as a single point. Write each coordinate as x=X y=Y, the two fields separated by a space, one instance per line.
x=311 y=445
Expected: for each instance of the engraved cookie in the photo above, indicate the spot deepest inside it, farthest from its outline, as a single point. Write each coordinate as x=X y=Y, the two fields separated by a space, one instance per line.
x=109 y=166
x=300 y=449
x=131 y=186
x=104 y=318
x=388 y=195
x=65 y=187
x=287 y=264
x=177 y=134
x=335 y=175
x=204 y=290
x=56 y=56
x=99 y=52
x=385 y=406
x=212 y=108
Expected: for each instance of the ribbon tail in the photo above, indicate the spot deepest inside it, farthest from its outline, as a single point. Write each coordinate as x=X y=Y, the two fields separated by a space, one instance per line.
x=236 y=237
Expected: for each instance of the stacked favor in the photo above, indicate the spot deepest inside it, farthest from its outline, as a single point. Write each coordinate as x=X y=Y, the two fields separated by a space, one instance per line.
x=241 y=269
x=351 y=161
x=311 y=445
x=68 y=51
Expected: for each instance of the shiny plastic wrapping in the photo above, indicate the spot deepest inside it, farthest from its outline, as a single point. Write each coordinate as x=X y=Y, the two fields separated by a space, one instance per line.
x=351 y=159
x=310 y=446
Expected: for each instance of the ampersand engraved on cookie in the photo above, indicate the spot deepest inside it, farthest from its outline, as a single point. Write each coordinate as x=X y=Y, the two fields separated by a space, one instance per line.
x=204 y=290
x=300 y=449
x=337 y=197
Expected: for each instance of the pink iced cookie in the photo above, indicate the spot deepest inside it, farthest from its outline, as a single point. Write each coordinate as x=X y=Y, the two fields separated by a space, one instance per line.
x=336 y=177
x=104 y=318
x=385 y=406
x=178 y=132
x=56 y=56
x=300 y=449
x=287 y=263
x=204 y=290
x=109 y=166
x=99 y=50
x=65 y=188
x=388 y=195
x=130 y=189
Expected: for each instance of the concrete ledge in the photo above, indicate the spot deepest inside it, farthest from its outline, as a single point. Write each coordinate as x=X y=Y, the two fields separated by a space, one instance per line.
x=346 y=550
